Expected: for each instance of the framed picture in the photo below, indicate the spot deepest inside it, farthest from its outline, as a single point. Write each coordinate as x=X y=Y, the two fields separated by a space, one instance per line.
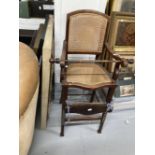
x=122 y=6
x=127 y=90
x=126 y=86
x=122 y=33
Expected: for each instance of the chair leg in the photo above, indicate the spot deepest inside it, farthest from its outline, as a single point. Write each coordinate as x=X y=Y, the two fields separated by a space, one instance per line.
x=61 y=98
x=109 y=98
x=110 y=94
x=109 y=107
x=64 y=94
x=62 y=121
x=102 y=122
x=92 y=96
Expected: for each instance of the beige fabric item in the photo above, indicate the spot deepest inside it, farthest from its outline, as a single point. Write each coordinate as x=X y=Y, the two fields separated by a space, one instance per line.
x=85 y=74
x=28 y=95
x=28 y=76
x=26 y=125
x=86 y=32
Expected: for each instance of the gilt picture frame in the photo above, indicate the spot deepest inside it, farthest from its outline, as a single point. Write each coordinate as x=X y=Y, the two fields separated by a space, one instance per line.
x=122 y=6
x=122 y=33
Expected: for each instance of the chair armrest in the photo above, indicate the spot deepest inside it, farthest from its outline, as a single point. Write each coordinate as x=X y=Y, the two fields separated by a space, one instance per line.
x=123 y=62
x=63 y=55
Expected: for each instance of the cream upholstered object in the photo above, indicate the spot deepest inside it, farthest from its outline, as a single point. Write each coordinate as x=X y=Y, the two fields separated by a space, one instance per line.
x=28 y=94
x=90 y=40
x=28 y=76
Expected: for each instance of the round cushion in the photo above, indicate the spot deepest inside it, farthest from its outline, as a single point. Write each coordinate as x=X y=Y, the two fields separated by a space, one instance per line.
x=28 y=76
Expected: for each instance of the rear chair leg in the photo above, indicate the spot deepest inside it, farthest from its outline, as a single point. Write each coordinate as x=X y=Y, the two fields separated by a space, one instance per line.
x=61 y=98
x=92 y=96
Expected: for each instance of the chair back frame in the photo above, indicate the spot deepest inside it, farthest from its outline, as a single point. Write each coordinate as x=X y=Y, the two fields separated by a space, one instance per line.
x=93 y=12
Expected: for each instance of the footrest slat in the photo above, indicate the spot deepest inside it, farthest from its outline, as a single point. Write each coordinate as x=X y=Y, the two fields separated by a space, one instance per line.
x=87 y=108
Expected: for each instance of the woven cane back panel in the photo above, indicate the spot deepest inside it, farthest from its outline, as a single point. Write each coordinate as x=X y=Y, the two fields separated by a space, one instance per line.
x=86 y=33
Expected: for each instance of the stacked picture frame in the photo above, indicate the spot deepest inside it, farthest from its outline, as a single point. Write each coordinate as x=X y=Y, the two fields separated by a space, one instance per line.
x=121 y=39
x=121 y=36
x=120 y=6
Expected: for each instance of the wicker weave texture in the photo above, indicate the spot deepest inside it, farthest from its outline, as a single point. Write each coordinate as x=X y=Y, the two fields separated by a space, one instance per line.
x=87 y=74
x=86 y=33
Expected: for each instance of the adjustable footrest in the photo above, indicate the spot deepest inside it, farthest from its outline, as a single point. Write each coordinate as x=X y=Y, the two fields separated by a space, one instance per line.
x=86 y=108
x=77 y=117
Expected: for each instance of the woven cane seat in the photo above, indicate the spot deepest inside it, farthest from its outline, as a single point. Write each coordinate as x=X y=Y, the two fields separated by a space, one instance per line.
x=86 y=74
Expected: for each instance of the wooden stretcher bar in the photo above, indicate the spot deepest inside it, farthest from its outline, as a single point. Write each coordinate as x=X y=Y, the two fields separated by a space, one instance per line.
x=57 y=60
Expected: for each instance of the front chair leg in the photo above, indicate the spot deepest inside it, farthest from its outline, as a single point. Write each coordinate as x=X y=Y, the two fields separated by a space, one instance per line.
x=109 y=98
x=62 y=121
x=104 y=114
x=64 y=94
x=109 y=107
x=110 y=94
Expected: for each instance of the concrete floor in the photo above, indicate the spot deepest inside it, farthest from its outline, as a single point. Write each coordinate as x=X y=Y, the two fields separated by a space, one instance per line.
x=117 y=137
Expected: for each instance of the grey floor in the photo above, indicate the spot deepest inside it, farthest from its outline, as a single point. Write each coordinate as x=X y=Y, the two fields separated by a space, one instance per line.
x=117 y=137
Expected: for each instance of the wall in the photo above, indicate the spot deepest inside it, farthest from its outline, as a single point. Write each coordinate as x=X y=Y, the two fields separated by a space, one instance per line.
x=62 y=7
